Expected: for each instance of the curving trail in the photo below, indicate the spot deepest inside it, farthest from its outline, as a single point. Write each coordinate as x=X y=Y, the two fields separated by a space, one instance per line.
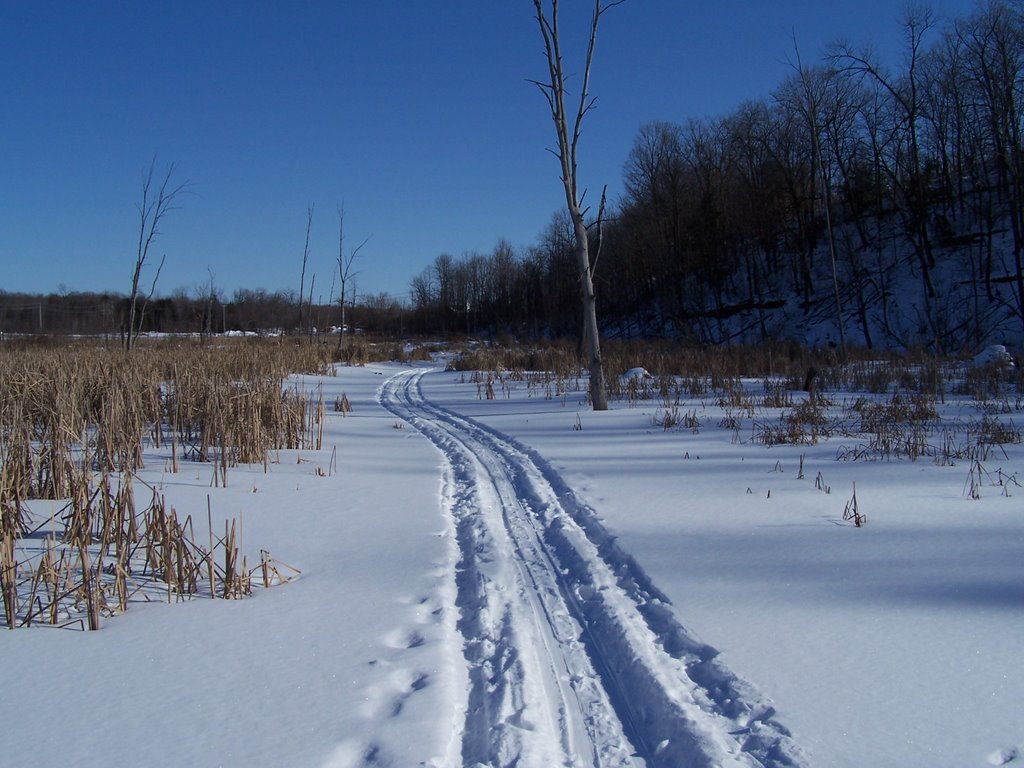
x=574 y=658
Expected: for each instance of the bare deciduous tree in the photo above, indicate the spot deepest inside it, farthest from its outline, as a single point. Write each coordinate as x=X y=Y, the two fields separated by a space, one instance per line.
x=568 y=141
x=345 y=274
x=305 y=260
x=906 y=94
x=155 y=204
x=809 y=106
x=206 y=294
x=993 y=43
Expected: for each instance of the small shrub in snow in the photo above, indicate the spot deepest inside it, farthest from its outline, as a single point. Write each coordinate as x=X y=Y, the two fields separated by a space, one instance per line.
x=734 y=396
x=666 y=419
x=995 y=376
x=691 y=422
x=730 y=421
x=805 y=424
x=776 y=395
x=996 y=432
x=851 y=512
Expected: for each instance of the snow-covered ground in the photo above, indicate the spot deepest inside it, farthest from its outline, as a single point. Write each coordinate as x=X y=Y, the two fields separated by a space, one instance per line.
x=520 y=578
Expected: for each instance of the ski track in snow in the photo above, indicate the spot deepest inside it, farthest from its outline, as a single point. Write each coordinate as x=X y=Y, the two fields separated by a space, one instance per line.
x=574 y=657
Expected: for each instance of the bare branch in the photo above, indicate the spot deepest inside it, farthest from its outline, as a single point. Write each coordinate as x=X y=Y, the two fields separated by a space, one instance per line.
x=153 y=207
x=345 y=273
x=600 y=229
x=305 y=259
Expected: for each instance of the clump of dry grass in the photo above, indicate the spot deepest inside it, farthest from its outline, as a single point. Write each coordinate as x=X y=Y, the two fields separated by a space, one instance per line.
x=901 y=408
x=898 y=428
x=908 y=425
x=75 y=423
x=777 y=394
x=990 y=382
x=693 y=370
x=342 y=405
x=556 y=361
x=994 y=431
x=805 y=424
x=102 y=553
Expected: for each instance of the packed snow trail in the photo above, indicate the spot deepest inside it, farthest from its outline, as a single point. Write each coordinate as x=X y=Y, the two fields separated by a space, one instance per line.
x=574 y=658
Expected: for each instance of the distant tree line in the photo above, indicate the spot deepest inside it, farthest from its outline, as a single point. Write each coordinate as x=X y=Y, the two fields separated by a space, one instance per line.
x=200 y=312
x=885 y=204
x=533 y=293
x=874 y=205
x=882 y=186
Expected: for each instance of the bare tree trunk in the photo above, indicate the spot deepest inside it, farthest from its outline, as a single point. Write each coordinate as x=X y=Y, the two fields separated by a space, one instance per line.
x=812 y=104
x=309 y=306
x=305 y=259
x=345 y=271
x=211 y=294
x=598 y=386
x=152 y=210
x=554 y=91
x=152 y=291
x=908 y=176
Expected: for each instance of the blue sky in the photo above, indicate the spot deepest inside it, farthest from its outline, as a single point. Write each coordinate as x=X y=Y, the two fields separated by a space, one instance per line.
x=415 y=114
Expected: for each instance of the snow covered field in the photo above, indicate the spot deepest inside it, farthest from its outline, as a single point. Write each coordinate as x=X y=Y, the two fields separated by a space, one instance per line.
x=520 y=578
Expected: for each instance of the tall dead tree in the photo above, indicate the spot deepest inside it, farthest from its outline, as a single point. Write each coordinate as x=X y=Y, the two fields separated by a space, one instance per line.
x=568 y=137
x=345 y=274
x=155 y=204
x=305 y=260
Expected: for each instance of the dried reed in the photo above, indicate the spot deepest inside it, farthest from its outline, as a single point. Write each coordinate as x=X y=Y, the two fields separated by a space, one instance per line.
x=75 y=424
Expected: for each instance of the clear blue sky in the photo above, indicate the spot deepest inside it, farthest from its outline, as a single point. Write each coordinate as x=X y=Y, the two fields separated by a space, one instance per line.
x=416 y=114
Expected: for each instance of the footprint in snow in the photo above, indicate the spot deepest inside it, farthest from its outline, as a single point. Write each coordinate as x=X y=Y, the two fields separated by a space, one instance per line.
x=401 y=639
x=1004 y=756
x=418 y=683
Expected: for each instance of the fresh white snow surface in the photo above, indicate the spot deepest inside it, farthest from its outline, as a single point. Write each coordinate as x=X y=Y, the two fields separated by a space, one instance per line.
x=486 y=581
